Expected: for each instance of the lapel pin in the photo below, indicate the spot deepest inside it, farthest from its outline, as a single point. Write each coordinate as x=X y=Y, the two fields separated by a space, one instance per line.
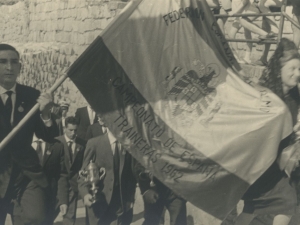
x=48 y=152
x=21 y=109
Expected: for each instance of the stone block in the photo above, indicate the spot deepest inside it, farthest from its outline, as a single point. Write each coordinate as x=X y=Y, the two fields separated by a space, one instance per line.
x=62 y=5
x=96 y=25
x=53 y=15
x=89 y=37
x=72 y=4
x=73 y=12
x=68 y=24
x=67 y=37
x=75 y=25
x=60 y=24
x=74 y=38
x=113 y=5
x=105 y=12
x=80 y=39
x=83 y=13
x=95 y=12
x=104 y=23
x=60 y=14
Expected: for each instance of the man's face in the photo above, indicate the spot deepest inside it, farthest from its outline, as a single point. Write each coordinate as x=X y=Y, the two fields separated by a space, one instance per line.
x=71 y=130
x=9 y=68
x=100 y=120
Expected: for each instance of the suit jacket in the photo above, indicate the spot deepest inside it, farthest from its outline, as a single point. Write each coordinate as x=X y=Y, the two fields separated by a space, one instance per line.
x=60 y=126
x=94 y=130
x=99 y=150
x=55 y=170
x=84 y=121
x=19 y=151
x=73 y=167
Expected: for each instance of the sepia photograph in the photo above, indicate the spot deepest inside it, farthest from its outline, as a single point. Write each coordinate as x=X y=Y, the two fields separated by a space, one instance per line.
x=149 y=112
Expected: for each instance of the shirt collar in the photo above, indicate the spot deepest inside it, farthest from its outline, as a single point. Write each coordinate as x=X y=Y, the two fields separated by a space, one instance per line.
x=111 y=137
x=68 y=139
x=3 y=90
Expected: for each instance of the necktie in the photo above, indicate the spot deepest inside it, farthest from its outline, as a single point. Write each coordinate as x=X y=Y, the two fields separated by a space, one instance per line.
x=71 y=150
x=116 y=163
x=39 y=150
x=8 y=108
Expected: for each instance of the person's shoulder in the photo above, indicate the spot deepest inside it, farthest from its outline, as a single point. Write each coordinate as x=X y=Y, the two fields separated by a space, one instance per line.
x=26 y=89
x=56 y=144
x=95 y=140
x=60 y=138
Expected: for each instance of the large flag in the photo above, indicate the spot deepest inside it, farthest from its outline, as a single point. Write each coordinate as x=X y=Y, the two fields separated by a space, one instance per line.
x=162 y=73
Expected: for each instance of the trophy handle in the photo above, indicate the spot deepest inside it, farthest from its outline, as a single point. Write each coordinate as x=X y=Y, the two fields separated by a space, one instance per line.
x=83 y=174
x=102 y=172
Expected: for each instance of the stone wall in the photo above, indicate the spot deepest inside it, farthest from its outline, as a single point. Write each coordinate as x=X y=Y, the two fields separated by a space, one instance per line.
x=51 y=34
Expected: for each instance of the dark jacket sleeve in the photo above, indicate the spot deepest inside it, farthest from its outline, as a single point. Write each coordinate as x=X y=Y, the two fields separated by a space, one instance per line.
x=46 y=133
x=62 y=184
x=89 y=133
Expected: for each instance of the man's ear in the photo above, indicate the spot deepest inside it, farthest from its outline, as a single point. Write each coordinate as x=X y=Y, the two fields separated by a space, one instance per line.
x=20 y=67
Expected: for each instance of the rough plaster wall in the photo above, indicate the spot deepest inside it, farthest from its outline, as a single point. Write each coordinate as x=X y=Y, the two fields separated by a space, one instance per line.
x=51 y=34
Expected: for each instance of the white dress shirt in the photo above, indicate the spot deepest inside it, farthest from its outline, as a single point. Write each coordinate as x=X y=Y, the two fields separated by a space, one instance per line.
x=112 y=141
x=34 y=144
x=92 y=114
x=4 y=97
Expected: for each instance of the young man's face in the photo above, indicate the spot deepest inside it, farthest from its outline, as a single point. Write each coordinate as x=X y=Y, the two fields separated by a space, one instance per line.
x=71 y=130
x=9 y=68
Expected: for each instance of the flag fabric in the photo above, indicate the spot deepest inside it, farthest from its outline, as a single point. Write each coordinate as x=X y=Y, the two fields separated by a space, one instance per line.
x=165 y=79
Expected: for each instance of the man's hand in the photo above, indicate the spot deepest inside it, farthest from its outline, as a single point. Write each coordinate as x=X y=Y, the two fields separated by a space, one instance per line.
x=150 y=196
x=63 y=209
x=87 y=200
x=45 y=101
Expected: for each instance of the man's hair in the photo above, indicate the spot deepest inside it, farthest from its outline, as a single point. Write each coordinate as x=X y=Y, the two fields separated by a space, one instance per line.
x=6 y=47
x=71 y=120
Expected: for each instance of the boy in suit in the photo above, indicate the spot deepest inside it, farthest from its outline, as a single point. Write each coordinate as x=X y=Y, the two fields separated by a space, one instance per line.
x=51 y=157
x=114 y=203
x=73 y=151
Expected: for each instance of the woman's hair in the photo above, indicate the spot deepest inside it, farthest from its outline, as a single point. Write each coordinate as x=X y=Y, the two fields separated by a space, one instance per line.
x=271 y=77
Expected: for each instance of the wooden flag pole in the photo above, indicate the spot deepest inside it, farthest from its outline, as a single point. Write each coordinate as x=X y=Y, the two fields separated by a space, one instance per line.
x=35 y=108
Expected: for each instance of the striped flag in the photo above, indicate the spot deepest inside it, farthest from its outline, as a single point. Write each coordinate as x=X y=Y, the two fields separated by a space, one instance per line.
x=165 y=79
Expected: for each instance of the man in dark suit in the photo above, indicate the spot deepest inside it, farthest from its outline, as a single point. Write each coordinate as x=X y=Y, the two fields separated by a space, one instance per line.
x=86 y=117
x=74 y=150
x=114 y=204
x=51 y=157
x=22 y=180
x=96 y=129
x=156 y=197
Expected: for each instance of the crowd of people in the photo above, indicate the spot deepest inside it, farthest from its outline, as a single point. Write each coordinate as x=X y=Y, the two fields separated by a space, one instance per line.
x=40 y=168
x=267 y=31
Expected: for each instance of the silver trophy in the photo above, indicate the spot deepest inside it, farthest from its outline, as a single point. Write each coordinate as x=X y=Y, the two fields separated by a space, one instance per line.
x=93 y=175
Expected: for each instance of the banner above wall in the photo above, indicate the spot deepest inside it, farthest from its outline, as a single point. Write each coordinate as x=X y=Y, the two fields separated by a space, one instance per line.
x=164 y=77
